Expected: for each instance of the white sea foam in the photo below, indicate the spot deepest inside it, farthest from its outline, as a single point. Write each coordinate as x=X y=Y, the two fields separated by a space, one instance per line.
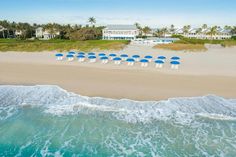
x=59 y=102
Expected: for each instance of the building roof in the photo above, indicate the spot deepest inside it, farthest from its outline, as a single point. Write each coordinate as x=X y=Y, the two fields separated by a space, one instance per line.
x=121 y=27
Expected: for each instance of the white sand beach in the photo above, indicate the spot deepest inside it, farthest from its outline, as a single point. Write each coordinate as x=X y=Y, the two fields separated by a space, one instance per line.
x=200 y=73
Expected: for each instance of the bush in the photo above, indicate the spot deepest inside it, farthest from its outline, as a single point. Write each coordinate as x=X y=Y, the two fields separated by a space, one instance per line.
x=233 y=37
x=86 y=34
x=177 y=36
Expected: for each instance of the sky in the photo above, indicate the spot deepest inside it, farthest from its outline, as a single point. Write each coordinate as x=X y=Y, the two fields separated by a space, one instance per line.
x=153 y=13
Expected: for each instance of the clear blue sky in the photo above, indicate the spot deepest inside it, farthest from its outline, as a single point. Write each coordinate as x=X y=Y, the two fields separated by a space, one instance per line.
x=154 y=13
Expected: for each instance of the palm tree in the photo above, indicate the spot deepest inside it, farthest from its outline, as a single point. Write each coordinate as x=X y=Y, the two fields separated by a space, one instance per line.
x=92 y=21
x=233 y=31
x=146 y=30
x=199 y=31
x=139 y=28
x=172 y=28
x=226 y=27
x=186 y=29
x=5 y=24
x=164 y=31
x=212 y=32
x=158 y=33
x=204 y=26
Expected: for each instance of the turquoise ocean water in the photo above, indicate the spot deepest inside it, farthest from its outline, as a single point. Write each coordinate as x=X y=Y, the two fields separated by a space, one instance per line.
x=49 y=121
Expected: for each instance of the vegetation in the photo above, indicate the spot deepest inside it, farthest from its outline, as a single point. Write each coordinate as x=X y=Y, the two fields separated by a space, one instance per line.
x=92 y=21
x=224 y=43
x=187 y=44
x=26 y=30
x=182 y=47
x=60 y=45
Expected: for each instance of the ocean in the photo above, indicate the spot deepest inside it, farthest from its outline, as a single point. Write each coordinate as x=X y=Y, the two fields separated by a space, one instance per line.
x=49 y=121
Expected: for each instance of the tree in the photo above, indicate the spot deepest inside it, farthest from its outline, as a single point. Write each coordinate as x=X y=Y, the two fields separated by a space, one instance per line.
x=92 y=21
x=86 y=34
x=164 y=31
x=186 y=29
x=172 y=28
x=161 y=32
x=146 y=30
x=199 y=31
x=204 y=26
x=233 y=30
x=139 y=27
x=226 y=27
x=52 y=28
x=212 y=32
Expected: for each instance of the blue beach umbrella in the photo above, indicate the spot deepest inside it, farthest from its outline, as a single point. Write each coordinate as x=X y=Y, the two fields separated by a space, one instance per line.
x=117 y=59
x=81 y=53
x=124 y=56
x=80 y=56
x=130 y=60
x=159 y=62
x=101 y=54
x=70 y=56
x=144 y=61
x=175 y=65
x=59 y=55
x=92 y=57
x=91 y=54
x=148 y=57
x=175 y=62
x=71 y=53
x=161 y=57
x=175 y=58
x=112 y=55
x=136 y=56
x=104 y=58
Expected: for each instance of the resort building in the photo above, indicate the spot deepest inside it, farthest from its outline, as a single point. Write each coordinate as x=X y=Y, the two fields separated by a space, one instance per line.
x=120 y=32
x=220 y=34
x=44 y=34
x=2 y=34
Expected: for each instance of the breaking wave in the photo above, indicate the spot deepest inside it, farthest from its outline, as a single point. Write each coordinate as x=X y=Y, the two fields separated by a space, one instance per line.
x=59 y=102
x=49 y=121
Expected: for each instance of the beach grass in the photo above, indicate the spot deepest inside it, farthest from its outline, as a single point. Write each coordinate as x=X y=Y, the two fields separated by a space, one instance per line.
x=182 y=47
x=187 y=44
x=60 y=45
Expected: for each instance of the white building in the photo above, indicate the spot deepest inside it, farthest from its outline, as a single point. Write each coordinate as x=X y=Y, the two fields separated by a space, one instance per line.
x=204 y=34
x=2 y=29
x=120 y=32
x=44 y=34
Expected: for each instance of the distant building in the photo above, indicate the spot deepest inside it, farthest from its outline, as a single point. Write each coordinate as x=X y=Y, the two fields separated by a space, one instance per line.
x=120 y=32
x=2 y=29
x=44 y=34
x=18 y=33
x=193 y=33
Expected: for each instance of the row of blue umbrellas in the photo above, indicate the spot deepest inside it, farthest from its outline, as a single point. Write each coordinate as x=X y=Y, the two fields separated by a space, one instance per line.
x=92 y=55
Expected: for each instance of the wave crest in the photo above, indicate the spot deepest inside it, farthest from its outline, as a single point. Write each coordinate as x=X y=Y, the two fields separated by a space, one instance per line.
x=59 y=102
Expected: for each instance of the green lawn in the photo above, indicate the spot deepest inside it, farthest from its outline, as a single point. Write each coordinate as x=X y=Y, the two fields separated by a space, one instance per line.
x=60 y=45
